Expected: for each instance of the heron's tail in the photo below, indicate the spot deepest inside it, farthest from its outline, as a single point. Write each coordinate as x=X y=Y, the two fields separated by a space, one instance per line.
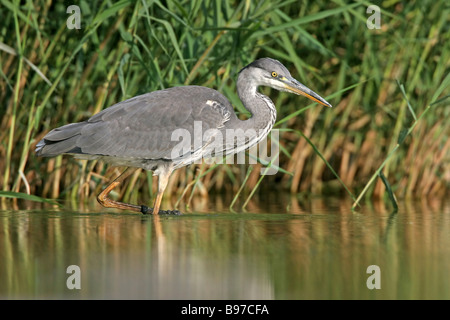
x=60 y=140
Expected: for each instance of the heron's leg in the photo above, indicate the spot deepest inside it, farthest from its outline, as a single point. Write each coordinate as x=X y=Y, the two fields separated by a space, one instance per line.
x=163 y=179
x=103 y=199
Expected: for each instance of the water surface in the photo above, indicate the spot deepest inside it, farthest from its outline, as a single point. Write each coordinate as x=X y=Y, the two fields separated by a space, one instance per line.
x=313 y=249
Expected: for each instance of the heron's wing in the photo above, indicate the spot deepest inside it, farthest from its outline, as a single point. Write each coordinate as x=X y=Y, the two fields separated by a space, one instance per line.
x=149 y=126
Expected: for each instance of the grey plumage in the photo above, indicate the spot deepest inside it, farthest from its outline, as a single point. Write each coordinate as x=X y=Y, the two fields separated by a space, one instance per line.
x=139 y=132
x=140 y=127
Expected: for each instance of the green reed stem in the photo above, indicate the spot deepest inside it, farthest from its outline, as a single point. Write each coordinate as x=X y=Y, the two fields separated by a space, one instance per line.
x=14 y=109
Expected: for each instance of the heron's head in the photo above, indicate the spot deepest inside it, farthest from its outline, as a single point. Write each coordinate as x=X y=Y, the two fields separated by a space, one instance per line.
x=270 y=72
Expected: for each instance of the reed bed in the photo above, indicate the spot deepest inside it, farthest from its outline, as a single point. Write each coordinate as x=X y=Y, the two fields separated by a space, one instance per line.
x=386 y=137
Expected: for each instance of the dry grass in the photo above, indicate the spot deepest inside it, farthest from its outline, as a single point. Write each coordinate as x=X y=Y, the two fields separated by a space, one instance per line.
x=389 y=88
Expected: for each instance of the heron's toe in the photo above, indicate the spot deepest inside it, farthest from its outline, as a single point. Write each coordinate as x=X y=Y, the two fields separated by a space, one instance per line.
x=170 y=212
x=147 y=210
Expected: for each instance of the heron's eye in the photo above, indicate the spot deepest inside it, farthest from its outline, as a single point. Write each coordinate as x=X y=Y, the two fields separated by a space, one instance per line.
x=274 y=74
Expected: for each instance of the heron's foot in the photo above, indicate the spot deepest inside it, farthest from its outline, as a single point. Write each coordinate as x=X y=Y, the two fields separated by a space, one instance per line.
x=170 y=212
x=147 y=210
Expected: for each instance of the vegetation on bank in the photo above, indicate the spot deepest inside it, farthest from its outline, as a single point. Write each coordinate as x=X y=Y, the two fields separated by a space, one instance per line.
x=388 y=130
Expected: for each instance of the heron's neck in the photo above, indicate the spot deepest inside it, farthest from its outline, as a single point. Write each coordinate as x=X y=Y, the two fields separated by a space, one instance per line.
x=260 y=106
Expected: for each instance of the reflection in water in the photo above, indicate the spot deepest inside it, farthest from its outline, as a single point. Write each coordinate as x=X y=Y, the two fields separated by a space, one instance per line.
x=310 y=250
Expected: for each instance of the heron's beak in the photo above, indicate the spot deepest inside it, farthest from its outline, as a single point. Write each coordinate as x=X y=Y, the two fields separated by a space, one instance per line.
x=292 y=85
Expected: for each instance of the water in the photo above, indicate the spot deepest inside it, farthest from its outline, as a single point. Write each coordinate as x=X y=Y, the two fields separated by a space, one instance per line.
x=315 y=249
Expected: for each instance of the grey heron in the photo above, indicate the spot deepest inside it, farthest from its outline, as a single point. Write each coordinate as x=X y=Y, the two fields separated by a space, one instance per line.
x=138 y=132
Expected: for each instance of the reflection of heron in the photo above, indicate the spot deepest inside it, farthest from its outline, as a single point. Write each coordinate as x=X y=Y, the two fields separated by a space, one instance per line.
x=138 y=132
